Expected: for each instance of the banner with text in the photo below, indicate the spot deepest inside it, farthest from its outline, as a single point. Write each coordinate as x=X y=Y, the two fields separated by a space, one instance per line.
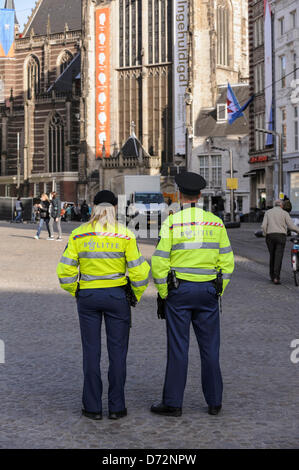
x=102 y=82
x=268 y=72
x=180 y=73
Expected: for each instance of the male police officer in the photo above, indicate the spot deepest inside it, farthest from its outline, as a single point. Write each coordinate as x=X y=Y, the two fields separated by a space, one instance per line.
x=194 y=245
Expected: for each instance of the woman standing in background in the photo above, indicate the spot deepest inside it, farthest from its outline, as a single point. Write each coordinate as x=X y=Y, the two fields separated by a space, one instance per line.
x=55 y=210
x=43 y=209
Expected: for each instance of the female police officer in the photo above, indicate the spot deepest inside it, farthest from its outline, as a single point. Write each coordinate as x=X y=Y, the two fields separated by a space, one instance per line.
x=102 y=249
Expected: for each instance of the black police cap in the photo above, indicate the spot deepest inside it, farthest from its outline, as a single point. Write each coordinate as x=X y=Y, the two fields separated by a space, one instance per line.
x=105 y=197
x=190 y=183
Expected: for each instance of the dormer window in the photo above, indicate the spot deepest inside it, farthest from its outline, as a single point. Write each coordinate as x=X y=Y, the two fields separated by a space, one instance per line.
x=221 y=112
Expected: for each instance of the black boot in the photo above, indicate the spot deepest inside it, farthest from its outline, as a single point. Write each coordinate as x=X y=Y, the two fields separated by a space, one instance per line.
x=214 y=410
x=118 y=414
x=95 y=416
x=166 y=410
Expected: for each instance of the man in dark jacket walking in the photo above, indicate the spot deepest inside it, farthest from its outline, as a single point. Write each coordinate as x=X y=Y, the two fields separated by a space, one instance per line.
x=84 y=211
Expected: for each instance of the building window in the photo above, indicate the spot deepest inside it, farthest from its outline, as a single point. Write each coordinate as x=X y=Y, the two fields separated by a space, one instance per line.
x=259 y=77
x=259 y=32
x=281 y=26
x=223 y=32
x=216 y=180
x=259 y=136
x=65 y=60
x=294 y=193
x=284 y=128
x=56 y=144
x=295 y=64
x=221 y=112
x=159 y=17
x=283 y=70
x=7 y=190
x=293 y=16
x=210 y=168
x=204 y=168
x=296 y=129
x=130 y=23
x=240 y=204
x=33 y=77
x=36 y=192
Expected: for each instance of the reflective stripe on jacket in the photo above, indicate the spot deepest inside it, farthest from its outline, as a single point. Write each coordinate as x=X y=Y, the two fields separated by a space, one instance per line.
x=193 y=243
x=102 y=257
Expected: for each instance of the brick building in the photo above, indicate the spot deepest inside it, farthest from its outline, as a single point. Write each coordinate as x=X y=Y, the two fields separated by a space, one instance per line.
x=261 y=156
x=41 y=103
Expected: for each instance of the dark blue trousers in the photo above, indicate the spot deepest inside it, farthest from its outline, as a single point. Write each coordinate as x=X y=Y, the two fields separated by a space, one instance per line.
x=196 y=303
x=93 y=304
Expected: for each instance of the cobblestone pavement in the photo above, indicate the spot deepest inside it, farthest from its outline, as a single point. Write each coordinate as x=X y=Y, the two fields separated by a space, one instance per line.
x=41 y=380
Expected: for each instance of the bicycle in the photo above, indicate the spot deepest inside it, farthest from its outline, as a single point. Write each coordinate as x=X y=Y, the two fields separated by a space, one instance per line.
x=295 y=259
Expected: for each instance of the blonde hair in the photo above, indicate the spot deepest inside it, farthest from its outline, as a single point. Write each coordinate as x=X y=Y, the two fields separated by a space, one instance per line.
x=102 y=214
x=46 y=196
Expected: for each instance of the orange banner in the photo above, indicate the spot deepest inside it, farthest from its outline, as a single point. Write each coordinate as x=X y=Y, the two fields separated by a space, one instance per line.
x=102 y=82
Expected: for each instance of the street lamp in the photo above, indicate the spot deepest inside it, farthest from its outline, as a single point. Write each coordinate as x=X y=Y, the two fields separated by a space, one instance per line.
x=232 y=211
x=280 y=159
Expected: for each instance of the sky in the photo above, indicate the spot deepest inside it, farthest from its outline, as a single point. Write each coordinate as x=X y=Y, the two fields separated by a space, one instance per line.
x=23 y=9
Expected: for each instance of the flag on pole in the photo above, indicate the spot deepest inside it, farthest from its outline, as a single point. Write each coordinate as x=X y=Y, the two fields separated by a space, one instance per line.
x=234 y=110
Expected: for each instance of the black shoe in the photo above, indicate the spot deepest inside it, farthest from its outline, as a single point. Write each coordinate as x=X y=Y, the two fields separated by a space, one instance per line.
x=96 y=416
x=117 y=414
x=166 y=410
x=214 y=410
x=276 y=281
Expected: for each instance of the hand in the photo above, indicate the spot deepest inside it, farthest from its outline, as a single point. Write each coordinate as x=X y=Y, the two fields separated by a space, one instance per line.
x=56 y=220
x=161 y=308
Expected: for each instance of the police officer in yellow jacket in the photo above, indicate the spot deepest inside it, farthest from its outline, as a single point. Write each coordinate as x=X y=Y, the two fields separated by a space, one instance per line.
x=102 y=250
x=194 y=244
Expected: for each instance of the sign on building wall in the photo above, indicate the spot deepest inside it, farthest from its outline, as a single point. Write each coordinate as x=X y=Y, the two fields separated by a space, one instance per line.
x=7 y=33
x=180 y=73
x=102 y=82
x=2 y=89
x=268 y=72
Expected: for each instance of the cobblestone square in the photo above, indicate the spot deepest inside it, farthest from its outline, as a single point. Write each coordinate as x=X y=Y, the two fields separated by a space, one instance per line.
x=41 y=380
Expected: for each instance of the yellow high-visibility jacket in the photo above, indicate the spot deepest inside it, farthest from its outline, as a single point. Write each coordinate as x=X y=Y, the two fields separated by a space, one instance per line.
x=102 y=258
x=193 y=243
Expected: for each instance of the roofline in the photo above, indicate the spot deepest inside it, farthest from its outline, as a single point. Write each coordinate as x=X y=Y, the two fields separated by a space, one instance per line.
x=31 y=18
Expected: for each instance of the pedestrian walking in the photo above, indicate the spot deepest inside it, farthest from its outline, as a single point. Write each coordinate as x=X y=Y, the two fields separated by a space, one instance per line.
x=68 y=213
x=275 y=226
x=19 y=211
x=55 y=216
x=43 y=208
x=102 y=250
x=84 y=211
x=192 y=256
x=287 y=205
x=34 y=213
x=77 y=213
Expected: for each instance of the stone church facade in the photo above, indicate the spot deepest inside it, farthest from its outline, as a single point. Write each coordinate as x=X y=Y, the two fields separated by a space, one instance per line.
x=52 y=91
x=39 y=112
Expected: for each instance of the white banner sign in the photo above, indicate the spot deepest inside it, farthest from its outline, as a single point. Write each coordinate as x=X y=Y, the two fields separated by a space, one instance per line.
x=180 y=74
x=268 y=73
